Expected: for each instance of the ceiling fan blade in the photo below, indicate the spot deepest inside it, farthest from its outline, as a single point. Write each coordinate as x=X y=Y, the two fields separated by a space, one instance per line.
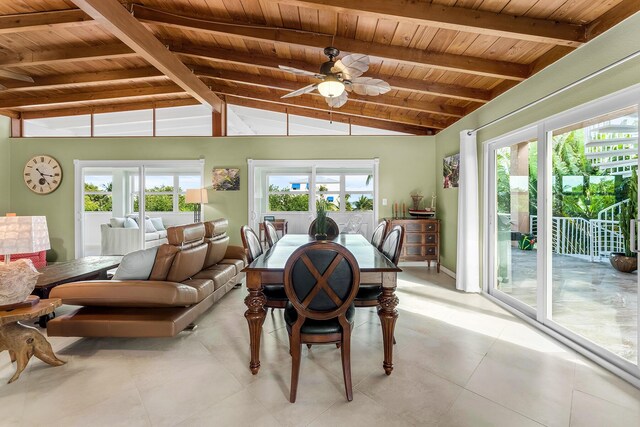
x=15 y=76
x=301 y=91
x=369 y=86
x=2 y=87
x=300 y=72
x=338 y=101
x=352 y=66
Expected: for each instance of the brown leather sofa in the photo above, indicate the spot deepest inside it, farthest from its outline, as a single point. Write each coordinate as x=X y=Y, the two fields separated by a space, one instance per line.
x=190 y=273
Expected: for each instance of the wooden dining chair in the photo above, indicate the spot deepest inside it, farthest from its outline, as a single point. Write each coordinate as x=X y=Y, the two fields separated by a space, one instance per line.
x=332 y=229
x=391 y=248
x=321 y=280
x=379 y=233
x=276 y=297
x=271 y=233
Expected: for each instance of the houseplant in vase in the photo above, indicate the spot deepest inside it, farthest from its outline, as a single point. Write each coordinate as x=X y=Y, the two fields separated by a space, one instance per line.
x=627 y=262
x=321 y=221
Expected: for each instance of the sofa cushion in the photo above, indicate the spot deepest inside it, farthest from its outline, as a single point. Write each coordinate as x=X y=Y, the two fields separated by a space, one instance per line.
x=221 y=274
x=185 y=235
x=237 y=263
x=129 y=293
x=136 y=265
x=149 y=227
x=117 y=222
x=205 y=287
x=130 y=223
x=158 y=224
x=163 y=262
x=215 y=251
x=187 y=263
x=151 y=236
x=217 y=227
x=162 y=234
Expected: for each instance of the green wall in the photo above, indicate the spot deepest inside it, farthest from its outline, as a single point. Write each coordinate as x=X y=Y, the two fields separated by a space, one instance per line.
x=405 y=166
x=5 y=162
x=613 y=45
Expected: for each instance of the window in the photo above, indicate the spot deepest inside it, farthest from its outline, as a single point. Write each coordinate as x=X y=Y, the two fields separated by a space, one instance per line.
x=299 y=125
x=365 y=130
x=59 y=126
x=192 y=120
x=165 y=192
x=288 y=193
x=252 y=121
x=123 y=123
x=98 y=193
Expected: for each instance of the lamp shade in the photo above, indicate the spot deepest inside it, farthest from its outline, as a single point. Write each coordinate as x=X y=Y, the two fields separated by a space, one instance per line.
x=197 y=195
x=331 y=87
x=23 y=234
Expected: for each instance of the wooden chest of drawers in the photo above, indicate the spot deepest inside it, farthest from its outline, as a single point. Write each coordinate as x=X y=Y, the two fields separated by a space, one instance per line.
x=421 y=239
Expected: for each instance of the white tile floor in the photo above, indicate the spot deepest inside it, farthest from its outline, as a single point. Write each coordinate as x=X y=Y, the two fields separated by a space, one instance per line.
x=460 y=361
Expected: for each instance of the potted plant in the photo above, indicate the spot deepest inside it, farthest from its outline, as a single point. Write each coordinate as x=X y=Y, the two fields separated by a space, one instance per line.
x=627 y=262
x=321 y=221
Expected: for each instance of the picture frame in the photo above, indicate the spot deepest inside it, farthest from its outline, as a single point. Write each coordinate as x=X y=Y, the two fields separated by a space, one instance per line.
x=225 y=179
x=451 y=171
x=270 y=218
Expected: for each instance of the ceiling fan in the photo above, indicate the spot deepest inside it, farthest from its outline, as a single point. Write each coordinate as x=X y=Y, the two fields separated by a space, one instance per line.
x=14 y=76
x=339 y=77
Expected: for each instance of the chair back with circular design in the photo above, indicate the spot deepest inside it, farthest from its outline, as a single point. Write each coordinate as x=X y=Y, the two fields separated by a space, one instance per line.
x=251 y=243
x=379 y=233
x=332 y=229
x=271 y=233
x=321 y=280
x=392 y=245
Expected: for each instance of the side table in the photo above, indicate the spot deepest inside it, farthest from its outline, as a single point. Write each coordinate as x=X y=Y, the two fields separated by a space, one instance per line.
x=25 y=341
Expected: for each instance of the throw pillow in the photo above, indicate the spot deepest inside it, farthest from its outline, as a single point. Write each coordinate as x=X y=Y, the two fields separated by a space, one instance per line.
x=148 y=226
x=117 y=222
x=130 y=223
x=136 y=265
x=157 y=223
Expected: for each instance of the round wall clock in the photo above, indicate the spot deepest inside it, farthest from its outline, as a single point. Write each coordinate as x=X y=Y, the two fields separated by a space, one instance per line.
x=42 y=174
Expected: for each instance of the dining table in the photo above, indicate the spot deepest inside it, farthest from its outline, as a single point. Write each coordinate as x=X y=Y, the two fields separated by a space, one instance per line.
x=268 y=268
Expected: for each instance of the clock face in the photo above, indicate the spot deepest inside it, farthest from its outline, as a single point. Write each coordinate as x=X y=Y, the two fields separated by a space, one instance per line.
x=42 y=174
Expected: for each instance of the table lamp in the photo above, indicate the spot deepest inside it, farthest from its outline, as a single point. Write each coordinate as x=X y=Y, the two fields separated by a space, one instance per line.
x=197 y=196
x=20 y=234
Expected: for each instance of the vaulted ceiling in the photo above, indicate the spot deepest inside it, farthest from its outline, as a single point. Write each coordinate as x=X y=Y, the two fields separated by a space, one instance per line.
x=442 y=58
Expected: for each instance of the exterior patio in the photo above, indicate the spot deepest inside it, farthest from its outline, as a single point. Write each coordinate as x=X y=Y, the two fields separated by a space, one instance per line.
x=591 y=299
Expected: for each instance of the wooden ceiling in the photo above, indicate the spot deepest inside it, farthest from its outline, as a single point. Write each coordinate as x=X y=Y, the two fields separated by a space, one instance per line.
x=442 y=58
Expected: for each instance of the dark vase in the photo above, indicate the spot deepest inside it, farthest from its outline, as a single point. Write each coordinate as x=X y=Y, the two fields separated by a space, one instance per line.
x=321 y=237
x=625 y=264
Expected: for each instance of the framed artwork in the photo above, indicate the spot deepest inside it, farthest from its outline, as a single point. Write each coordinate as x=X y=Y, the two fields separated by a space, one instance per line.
x=451 y=171
x=226 y=179
x=271 y=218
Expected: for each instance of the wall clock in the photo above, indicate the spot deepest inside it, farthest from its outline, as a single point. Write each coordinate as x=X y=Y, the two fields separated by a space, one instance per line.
x=42 y=174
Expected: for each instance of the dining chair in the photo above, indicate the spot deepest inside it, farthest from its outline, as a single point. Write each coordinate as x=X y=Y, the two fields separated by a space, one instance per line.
x=391 y=248
x=271 y=233
x=332 y=229
x=379 y=233
x=276 y=297
x=321 y=280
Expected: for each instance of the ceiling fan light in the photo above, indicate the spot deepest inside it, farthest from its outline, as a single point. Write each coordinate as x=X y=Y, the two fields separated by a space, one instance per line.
x=331 y=87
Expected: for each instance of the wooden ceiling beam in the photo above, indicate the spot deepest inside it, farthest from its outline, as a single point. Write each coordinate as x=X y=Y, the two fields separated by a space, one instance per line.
x=419 y=57
x=288 y=85
x=41 y=21
x=9 y=113
x=271 y=63
x=62 y=81
x=456 y=18
x=322 y=115
x=52 y=56
x=612 y=17
x=75 y=97
x=113 y=17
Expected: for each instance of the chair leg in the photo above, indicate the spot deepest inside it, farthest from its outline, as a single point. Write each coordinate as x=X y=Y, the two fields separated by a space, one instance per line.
x=345 y=352
x=309 y=346
x=338 y=345
x=295 y=367
x=394 y=339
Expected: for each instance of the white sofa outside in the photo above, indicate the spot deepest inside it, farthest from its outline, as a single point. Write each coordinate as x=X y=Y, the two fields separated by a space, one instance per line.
x=118 y=240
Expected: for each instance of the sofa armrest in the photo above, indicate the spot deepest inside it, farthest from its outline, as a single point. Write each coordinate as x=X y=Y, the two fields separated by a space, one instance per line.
x=119 y=241
x=126 y=293
x=236 y=252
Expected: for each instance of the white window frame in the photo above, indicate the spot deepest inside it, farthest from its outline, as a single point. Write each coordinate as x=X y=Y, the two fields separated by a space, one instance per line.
x=541 y=317
x=175 y=193
x=99 y=193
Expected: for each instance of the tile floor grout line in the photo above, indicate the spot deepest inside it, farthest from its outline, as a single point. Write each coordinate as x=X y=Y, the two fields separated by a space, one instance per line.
x=506 y=407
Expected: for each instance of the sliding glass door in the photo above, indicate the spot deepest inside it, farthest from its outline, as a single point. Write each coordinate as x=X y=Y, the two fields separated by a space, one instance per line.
x=561 y=201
